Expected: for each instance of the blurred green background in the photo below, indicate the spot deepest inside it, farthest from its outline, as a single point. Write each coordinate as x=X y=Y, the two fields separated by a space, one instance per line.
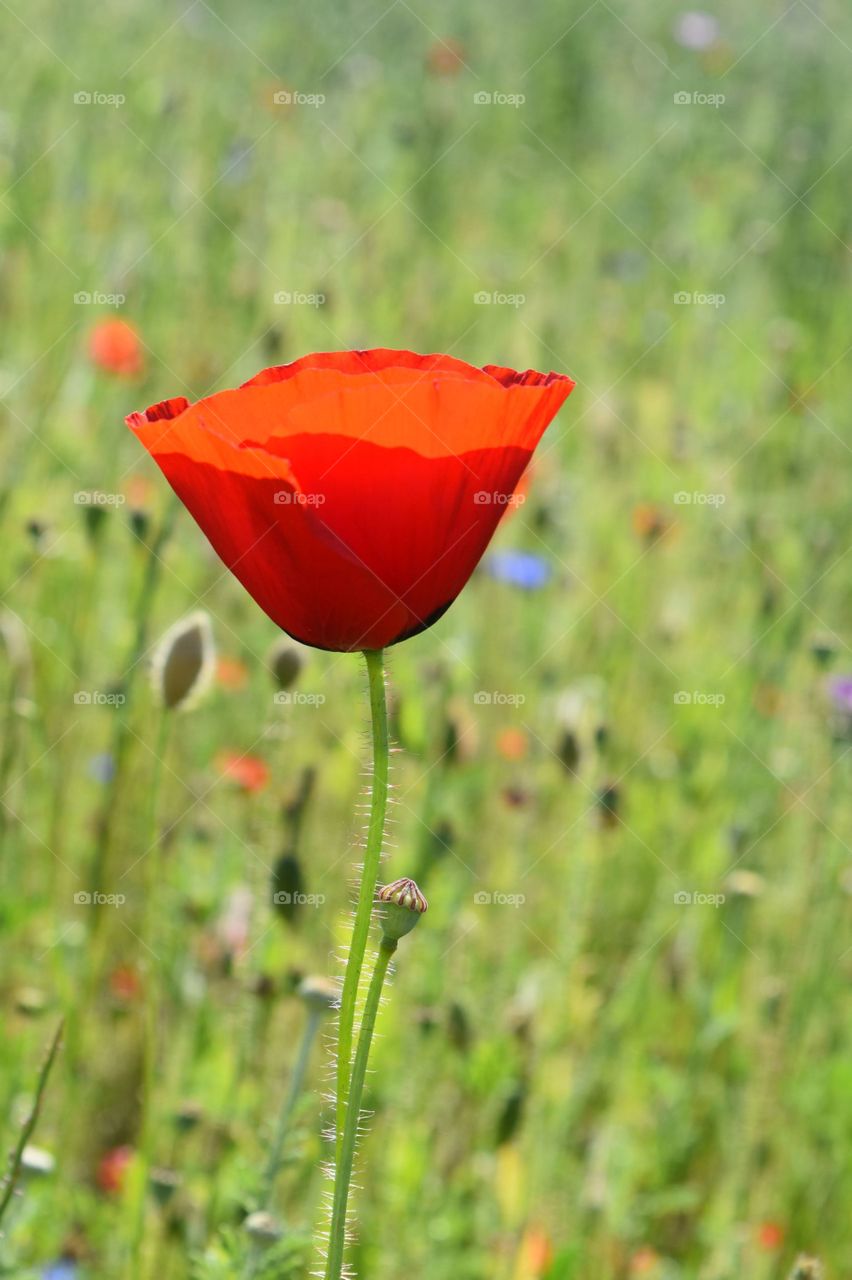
x=639 y=1063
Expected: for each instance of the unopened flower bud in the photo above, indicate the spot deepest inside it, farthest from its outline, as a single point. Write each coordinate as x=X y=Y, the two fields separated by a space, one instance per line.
x=184 y=661
x=263 y=1227
x=285 y=662
x=403 y=904
x=318 y=993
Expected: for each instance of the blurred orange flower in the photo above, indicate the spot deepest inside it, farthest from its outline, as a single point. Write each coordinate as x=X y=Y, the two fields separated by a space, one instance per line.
x=231 y=673
x=114 y=346
x=650 y=522
x=644 y=1261
x=770 y=1236
x=512 y=744
x=250 y=773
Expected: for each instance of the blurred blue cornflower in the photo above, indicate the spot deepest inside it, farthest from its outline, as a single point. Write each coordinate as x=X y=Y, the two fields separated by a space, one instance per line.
x=522 y=569
x=61 y=1269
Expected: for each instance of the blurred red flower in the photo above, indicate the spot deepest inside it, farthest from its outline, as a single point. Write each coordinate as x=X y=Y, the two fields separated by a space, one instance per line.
x=124 y=982
x=445 y=57
x=770 y=1236
x=248 y=772
x=114 y=346
x=111 y=1172
x=352 y=493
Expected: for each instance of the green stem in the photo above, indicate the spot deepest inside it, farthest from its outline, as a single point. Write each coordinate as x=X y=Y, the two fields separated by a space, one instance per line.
x=9 y=1183
x=367 y=891
x=297 y=1083
x=346 y=1157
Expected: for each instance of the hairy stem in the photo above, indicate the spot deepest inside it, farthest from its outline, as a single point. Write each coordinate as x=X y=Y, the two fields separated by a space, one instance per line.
x=346 y=1155
x=367 y=891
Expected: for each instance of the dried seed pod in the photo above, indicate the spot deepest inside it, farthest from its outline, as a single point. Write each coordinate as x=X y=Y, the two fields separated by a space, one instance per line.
x=184 y=662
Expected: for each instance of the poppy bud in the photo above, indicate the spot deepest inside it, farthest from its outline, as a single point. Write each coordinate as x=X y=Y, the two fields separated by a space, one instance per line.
x=823 y=649
x=94 y=516
x=140 y=523
x=403 y=905
x=318 y=993
x=184 y=662
x=511 y=1113
x=164 y=1183
x=285 y=663
x=263 y=1227
x=288 y=887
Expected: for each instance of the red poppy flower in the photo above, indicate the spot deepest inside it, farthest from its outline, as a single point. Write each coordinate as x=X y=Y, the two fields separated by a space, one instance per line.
x=352 y=493
x=114 y=346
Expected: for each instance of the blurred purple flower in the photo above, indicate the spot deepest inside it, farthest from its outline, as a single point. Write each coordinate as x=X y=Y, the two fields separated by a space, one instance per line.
x=521 y=569
x=102 y=767
x=840 y=692
x=696 y=30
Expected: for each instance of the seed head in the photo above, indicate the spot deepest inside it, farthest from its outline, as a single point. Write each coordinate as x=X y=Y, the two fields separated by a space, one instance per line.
x=402 y=906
